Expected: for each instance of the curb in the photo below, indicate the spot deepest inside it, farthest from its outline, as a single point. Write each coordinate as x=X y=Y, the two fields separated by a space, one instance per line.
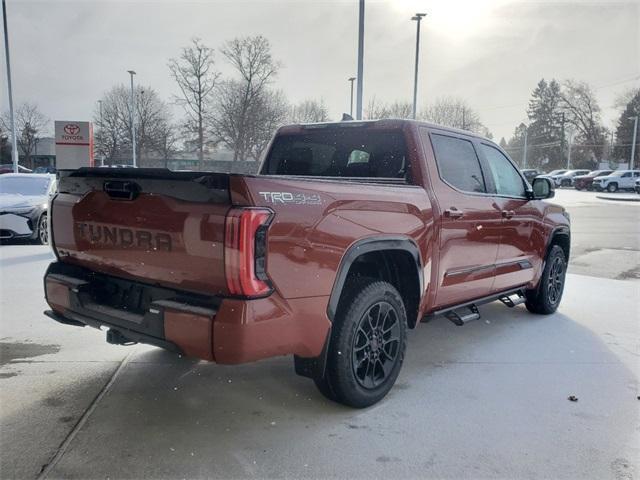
x=620 y=199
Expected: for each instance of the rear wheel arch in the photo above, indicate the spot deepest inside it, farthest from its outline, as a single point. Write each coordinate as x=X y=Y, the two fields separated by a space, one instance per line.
x=395 y=260
x=560 y=236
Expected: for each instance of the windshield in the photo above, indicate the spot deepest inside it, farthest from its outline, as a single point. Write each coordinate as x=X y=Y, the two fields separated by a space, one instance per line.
x=24 y=185
x=339 y=152
x=618 y=173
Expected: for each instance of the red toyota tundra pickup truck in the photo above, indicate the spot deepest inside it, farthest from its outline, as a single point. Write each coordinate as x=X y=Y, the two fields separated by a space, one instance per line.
x=351 y=234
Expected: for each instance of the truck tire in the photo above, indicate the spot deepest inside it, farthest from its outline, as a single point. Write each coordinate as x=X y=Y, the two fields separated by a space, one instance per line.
x=545 y=299
x=368 y=342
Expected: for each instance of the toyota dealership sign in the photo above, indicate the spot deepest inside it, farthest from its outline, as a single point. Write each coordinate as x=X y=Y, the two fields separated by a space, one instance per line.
x=74 y=144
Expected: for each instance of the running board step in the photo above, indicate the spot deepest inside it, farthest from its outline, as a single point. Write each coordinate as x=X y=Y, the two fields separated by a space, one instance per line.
x=461 y=319
x=514 y=299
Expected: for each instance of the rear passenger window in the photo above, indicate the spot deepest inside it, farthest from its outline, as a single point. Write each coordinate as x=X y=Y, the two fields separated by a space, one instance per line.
x=505 y=176
x=458 y=163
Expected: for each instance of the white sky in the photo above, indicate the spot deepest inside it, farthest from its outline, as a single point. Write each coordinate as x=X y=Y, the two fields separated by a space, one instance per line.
x=490 y=52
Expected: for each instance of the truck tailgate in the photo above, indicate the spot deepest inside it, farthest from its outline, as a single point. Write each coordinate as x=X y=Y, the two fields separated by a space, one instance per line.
x=152 y=225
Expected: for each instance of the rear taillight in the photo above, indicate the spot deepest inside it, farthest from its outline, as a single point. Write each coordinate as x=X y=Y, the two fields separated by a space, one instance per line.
x=245 y=250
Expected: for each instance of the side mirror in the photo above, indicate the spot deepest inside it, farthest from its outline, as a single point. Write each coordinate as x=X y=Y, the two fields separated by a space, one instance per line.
x=542 y=188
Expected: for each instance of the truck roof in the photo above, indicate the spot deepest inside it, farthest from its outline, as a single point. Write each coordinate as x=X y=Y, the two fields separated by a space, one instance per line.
x=381 y=123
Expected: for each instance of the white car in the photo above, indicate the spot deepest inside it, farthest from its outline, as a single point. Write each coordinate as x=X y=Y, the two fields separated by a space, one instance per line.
x=553 y=175
x=566 y=179
x=24 y=201
x=618 y=180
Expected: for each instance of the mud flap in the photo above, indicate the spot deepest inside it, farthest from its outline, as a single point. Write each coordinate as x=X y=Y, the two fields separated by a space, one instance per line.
x=313 y=367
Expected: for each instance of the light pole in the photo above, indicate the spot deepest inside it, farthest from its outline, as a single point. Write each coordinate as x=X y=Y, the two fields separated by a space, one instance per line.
x=133 y=118
x=360 y=60
x=524 y=155
x=417 y=18
x=351 y=79
x=14 y=134
x=569 y=139
x=633 y=142
x=101 y=127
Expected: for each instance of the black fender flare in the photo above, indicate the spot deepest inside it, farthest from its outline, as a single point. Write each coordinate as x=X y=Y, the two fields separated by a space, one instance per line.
x=559 y=230
x=367 y=245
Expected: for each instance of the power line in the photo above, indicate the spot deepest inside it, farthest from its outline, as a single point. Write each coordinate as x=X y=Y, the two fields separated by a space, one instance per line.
x=618 y=82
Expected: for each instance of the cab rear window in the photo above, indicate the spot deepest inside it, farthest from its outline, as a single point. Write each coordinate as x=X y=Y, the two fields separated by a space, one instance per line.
x=342 y=152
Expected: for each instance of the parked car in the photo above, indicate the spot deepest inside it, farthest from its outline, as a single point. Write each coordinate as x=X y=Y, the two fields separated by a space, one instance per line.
x=352 y=233
x=582 y=182
x=117 y=166
x=530 y=173
x=45 y=169
x=638 y=185
x=23 y=205
x=8 y=168
x=566 y=179
x=618 y=180
x=553 y=175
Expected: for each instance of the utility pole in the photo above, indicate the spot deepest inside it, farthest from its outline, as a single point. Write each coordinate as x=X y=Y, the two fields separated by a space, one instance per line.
x=633 y=143
x=133 y=119
x=524 y=155
x=611 y=151
x=416 y=18
x=14 y=134
x=360 y=61
x=562 y=134
x=351 y=79
x=101 y=127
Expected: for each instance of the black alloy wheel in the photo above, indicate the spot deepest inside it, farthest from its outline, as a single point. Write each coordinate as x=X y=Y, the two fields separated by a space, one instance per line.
x=376 y=345
x=43 y=229
x=545 y=298
x=555 y=283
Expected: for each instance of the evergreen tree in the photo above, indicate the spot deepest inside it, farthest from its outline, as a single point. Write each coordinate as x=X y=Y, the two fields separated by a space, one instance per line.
x=515 y=146
x=624 y=131
x=545 y=127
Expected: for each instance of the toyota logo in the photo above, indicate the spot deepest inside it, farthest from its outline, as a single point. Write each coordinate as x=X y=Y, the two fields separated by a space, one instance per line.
x=71 y=129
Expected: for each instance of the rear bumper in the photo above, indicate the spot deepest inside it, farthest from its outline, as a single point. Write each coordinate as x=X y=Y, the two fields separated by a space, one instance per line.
x=223 y=330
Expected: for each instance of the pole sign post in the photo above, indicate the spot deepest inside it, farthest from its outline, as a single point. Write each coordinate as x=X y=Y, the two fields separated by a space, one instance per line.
x=74 y=144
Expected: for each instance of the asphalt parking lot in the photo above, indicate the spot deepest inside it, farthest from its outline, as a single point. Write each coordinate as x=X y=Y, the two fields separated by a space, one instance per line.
x=487 y=400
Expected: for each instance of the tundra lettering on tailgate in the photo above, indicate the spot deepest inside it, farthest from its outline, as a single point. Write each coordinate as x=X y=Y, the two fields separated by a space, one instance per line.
x=110 y=235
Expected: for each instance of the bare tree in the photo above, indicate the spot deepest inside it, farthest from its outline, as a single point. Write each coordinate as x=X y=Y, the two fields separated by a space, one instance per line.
x=268 y=114
x=194 y=72
x=397 y=109
x=453 y=112
x=113 y=138
x=30 y=124
x=252 y=60
x=166 y=141
x=625 y=97
x=309 y=111
x=582 y=112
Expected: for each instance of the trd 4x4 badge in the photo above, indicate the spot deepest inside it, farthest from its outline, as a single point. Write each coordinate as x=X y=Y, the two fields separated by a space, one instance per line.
x=291 y=198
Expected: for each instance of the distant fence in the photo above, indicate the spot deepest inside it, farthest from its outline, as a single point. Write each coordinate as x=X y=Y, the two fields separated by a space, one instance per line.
x=222 y=166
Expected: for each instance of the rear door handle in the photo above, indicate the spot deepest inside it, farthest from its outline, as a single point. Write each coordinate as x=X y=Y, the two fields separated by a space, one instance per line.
x=453 y=212
x=508 y=213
